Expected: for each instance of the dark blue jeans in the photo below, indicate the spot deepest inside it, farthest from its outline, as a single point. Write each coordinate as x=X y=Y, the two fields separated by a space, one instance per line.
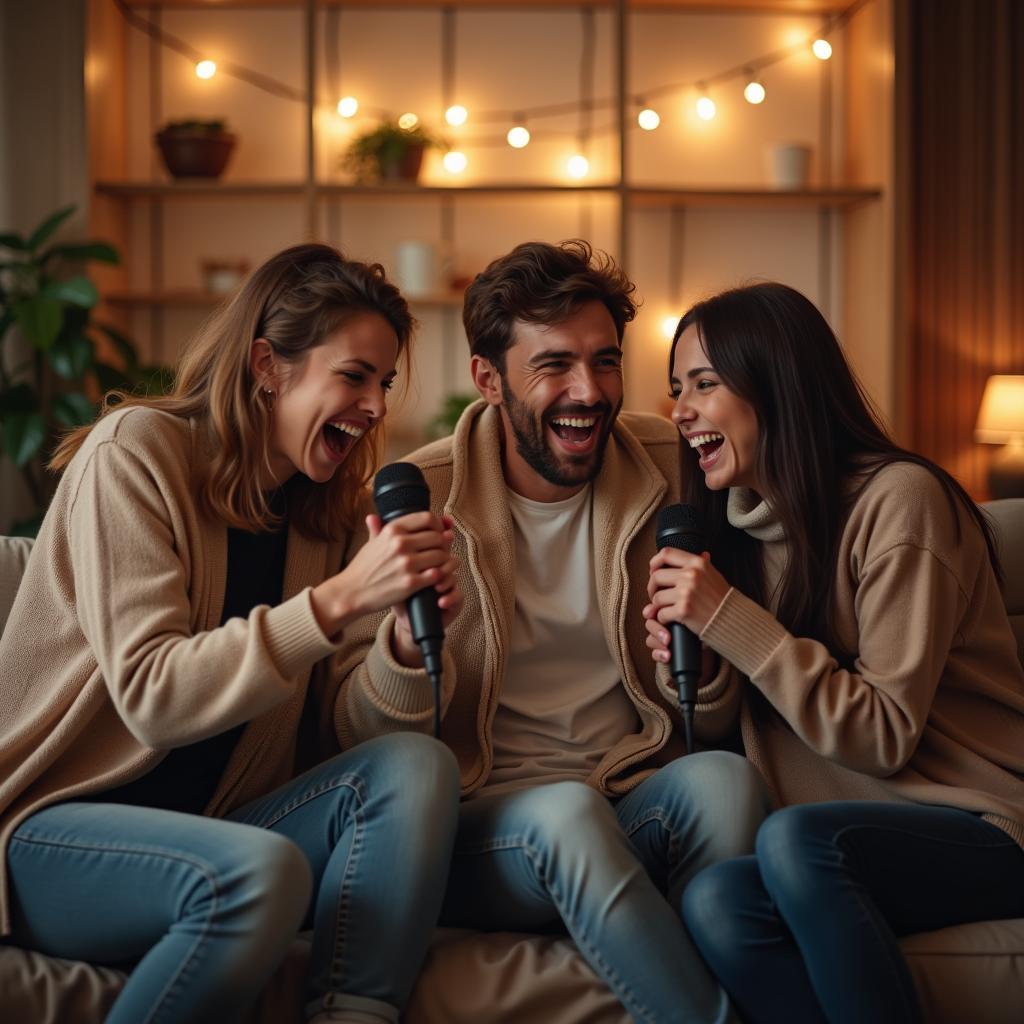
x=806 y=930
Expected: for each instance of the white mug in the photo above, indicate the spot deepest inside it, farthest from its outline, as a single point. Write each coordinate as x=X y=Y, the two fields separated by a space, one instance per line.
x=790 y=165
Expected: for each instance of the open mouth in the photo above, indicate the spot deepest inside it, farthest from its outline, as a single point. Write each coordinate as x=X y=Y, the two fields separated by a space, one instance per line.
x=339 y=438
x=709 y=446
x=577 y=433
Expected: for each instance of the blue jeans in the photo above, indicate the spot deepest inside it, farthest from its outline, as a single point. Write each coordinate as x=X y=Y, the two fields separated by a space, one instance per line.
x=807 y=930
x=563 y=855
x=208 y=907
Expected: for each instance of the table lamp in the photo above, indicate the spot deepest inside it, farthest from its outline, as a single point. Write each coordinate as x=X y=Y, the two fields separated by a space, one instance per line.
x=1001 y=421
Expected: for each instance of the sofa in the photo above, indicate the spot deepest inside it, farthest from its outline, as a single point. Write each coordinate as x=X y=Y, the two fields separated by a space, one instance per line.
x=967 y=973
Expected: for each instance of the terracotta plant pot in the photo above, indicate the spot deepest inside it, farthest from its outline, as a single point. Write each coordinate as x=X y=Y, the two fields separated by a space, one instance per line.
x=195 y=153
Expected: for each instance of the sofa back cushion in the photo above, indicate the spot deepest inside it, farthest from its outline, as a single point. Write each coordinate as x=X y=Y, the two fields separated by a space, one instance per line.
x=1007 y=516
x=14 y=552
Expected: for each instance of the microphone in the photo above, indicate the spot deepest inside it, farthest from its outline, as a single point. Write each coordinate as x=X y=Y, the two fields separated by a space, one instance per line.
x=398 y=490
x=679 y=527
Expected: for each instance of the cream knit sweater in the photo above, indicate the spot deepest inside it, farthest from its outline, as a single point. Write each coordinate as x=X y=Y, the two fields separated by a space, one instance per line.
x=933 y=711
x=113 y=652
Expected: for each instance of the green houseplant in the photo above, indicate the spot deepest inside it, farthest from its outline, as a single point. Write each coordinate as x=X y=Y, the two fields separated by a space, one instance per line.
x=387 y=152
x=51 y=374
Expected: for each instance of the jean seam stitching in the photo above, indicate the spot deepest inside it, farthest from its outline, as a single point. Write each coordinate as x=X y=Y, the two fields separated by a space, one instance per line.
x=345 y=888
x=350 y=781
x=204 y=870
x=536 y=859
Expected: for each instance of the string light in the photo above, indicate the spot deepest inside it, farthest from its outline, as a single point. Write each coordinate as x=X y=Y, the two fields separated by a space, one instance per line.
x=648 y=119
x=206 y=69
x=754 y=92
x=454 y=161
x=348 y=106
x=518 y=137
x=706 y=108
x=408 y=121
x=578 y=166
x=456 y=115
x=822 y=49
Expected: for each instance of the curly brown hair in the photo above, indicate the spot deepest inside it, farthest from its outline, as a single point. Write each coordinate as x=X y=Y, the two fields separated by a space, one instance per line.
x=541 y=283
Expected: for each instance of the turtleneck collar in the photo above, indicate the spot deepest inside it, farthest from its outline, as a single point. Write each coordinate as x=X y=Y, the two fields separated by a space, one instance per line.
x=747 y=511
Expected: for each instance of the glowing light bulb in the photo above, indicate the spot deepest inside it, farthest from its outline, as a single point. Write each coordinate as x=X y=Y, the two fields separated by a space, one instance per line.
x=578 y=166
x=456 y=115
x=518 y=137
x=347 y=106
x=648 y=119
x=408 y=121
x=822 y=49
x=668 y=326
x=754 y=93
x=206 y=69
x=706 y=108
x=454 y=161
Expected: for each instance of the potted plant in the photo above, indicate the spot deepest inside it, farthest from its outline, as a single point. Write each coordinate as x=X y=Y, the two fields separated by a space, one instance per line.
x=388 y=153
x=50 y=371
x=194 y=148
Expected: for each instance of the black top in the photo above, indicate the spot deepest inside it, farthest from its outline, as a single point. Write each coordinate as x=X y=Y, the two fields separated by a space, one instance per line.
x=185 y=780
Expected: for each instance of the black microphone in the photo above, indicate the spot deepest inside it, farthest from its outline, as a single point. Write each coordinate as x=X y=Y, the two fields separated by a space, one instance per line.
x=679 y=527
x=398 y=490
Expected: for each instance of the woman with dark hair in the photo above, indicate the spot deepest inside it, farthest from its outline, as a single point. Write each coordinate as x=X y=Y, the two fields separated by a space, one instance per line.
x=171 y=791
x=854 y=588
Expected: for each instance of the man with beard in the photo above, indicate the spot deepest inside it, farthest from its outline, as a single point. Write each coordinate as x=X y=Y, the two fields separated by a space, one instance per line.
x=577 y=810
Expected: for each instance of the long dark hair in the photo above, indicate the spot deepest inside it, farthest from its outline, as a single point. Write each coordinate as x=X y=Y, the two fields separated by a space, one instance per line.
x=818 y=434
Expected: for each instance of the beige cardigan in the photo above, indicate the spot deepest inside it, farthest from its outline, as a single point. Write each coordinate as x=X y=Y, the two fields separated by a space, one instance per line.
x=464 y=473
x=113 y=654
x=933 y=711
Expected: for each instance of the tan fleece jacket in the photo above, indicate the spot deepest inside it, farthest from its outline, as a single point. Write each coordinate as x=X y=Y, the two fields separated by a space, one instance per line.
x=464 y=473
x=113 y=654
x=933 y=711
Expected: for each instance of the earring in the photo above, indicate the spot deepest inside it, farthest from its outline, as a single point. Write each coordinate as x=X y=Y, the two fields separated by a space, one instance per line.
x=269 y=392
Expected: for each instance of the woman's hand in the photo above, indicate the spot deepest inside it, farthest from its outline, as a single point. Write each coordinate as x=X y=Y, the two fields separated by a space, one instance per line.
x=410 y=553
x=685 y=588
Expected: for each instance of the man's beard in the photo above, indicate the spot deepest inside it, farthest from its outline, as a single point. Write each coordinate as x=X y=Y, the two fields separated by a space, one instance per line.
x=532 y=444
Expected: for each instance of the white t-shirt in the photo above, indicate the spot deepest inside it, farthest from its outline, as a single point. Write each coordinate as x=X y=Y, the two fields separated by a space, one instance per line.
x=562 y=706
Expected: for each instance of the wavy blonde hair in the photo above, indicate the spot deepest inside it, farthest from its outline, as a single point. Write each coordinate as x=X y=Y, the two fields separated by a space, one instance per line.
x=294 y=300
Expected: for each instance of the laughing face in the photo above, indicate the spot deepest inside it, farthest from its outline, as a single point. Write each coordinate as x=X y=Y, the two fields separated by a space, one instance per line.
x=714 y=420
x=559 y=396
x=324 y=404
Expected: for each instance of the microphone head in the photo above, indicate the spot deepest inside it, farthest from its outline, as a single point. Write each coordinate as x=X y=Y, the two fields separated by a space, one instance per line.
x=679 y=527
x=398 y=489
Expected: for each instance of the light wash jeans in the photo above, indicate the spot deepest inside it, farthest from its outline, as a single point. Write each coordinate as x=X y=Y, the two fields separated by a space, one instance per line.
x=613 y=873
x=209 y=906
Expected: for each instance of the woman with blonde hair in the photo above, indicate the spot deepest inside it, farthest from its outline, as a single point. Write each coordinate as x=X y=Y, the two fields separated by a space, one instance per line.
x=172 y=794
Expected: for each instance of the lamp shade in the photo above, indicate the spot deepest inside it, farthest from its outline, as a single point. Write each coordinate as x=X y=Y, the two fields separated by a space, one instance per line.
x=1001 y=417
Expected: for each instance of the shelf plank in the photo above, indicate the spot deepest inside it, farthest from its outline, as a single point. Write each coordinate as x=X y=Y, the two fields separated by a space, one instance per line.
x=185 y=298
x=194 y=187
x=638 y=196
x=799 y=7
x=745 y=197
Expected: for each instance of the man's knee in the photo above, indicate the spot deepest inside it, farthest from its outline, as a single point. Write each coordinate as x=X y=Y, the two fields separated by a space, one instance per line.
x=724 y=798
x=564 y=813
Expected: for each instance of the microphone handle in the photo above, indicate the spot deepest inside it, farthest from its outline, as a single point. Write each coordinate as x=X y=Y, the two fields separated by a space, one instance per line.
x=684 y=667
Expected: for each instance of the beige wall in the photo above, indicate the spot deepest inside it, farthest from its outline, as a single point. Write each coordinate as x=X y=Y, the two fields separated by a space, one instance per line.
x=42 y=137
x=508 y=58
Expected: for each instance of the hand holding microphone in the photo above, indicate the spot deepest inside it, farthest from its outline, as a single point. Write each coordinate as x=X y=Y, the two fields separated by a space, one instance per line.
x=685 y=589
x=401 y=495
